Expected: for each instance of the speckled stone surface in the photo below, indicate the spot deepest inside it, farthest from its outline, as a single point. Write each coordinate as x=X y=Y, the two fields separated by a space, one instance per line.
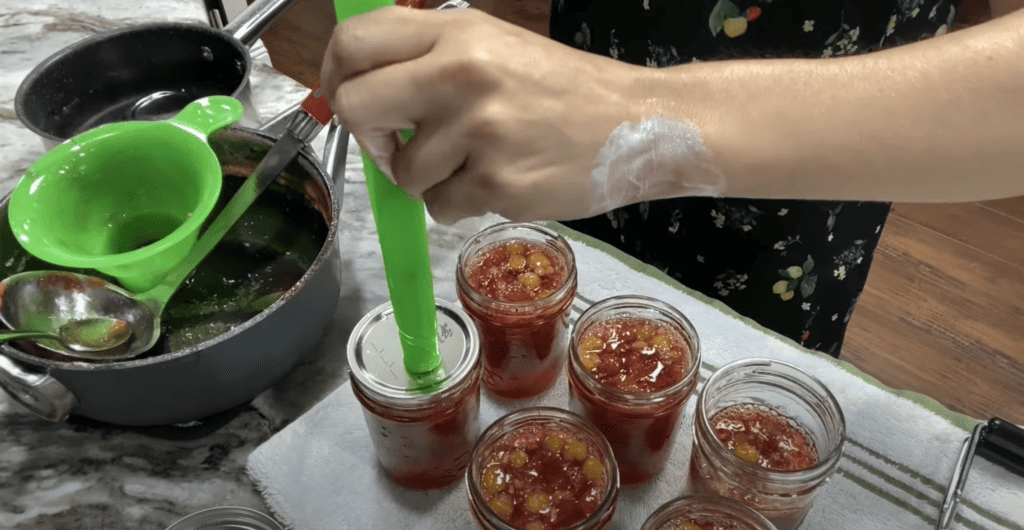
x=86 y=475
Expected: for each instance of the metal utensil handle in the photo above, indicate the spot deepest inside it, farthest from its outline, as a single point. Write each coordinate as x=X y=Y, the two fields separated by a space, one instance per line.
x=251 y=23
x=18 y=335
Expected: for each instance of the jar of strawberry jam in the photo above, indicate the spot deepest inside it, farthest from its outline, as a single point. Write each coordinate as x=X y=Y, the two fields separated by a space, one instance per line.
x=633 y=363
x=542 y=468
x=518 y=281
x=767 y=434
x=422 y=426
x=706 y=512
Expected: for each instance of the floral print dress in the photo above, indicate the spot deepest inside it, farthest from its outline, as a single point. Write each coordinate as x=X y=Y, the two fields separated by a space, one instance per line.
x=795 y=267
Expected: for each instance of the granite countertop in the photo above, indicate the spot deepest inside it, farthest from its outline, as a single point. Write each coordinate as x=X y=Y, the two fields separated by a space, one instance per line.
x=83 y=474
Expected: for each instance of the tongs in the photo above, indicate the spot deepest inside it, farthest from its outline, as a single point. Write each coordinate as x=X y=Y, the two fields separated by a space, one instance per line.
x=997 y=441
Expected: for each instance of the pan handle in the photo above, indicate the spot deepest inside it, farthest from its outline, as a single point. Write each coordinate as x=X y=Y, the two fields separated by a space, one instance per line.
x=335 y=154
x=251 y=23
x=40 y=393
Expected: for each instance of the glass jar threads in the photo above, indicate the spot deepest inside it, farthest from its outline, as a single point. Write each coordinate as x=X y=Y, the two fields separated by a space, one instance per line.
x=706 y=512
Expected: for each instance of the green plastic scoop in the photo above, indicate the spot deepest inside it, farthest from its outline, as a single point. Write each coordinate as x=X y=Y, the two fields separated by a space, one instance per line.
x=402 y=231
x=126 y=199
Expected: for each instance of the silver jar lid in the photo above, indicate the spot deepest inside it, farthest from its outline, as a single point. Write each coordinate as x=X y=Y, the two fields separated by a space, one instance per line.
x=226 y=518
x=375 y=356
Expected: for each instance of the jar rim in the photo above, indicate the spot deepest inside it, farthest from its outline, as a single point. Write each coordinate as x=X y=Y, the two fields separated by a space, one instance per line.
x=826 y=463
x=708 y=505
x=682 y=323
x=526 y=416
x=554 y=240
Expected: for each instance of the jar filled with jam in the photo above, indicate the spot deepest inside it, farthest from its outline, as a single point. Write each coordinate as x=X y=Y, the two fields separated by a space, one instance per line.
x=633 y=363
x=706 y=512
x=767 y=434
x=542 y=468
x=422 y=426
x=518 y=281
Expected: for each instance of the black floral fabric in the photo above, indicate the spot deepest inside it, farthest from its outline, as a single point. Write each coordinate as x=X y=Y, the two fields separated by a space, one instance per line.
x=795 y=267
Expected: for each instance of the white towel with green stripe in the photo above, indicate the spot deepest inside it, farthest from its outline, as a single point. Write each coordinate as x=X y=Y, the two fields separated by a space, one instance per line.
x=320 y=472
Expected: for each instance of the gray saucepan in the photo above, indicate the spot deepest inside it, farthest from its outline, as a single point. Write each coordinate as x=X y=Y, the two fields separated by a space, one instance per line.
x=260 y=302
x=142 y=72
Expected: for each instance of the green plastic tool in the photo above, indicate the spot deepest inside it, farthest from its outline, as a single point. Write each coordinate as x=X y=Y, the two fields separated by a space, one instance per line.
x=126 y=199
x=402 y=231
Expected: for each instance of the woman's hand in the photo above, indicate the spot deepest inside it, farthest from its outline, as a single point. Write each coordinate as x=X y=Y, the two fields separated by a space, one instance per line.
x=506 y=121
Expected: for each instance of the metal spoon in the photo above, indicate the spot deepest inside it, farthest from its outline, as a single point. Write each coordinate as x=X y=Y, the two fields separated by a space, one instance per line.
x=88 y=335
x=46 y=300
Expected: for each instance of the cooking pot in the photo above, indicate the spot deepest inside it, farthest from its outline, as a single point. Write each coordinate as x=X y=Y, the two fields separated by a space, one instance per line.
x=254 y=308
x=142 y=72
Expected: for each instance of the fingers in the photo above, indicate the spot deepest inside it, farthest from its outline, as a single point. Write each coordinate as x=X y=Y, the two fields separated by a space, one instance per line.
x=376 y=39
x=434 y=154
x=380 y=37
x=457 y=198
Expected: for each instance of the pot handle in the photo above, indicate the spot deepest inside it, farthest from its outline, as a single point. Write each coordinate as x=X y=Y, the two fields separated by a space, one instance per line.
x=251 y=23
x=335 y=148
x=41 y=394
x=335 y=154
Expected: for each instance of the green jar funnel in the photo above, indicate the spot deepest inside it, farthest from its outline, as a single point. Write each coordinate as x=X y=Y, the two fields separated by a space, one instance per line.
x=126 y=199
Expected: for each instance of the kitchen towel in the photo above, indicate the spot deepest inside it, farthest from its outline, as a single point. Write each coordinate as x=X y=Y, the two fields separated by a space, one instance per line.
x=320 y=472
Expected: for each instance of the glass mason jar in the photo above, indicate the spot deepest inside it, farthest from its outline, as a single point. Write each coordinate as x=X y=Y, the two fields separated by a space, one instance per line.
x=640 y=426
x=706 y=512
x=422 y=426
x=524 y=343
x=530 y=432
x=764 y=385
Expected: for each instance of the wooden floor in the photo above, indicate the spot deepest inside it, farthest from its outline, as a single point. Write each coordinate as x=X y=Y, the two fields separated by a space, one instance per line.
x=943 y=312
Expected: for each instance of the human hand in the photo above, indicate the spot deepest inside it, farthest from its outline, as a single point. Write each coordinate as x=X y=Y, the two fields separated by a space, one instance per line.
x=506 y=121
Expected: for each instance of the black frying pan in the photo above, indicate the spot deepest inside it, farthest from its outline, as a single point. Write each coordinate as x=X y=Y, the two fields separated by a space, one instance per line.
x=142 y=72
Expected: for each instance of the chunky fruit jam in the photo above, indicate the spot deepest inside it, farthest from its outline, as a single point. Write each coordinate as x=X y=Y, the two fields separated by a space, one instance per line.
x=762 y=436
x=630 y=359
x=543 y=478
x=702 y=523
x=516 y=271
x=524 y=337
x=635 y=355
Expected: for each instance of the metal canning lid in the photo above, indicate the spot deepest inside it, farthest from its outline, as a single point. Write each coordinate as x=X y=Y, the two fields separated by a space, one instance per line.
x=375 y=356
x=226 y=518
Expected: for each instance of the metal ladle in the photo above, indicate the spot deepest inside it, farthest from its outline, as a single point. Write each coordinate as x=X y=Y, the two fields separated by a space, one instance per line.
x=87 y=335
x=47 y=300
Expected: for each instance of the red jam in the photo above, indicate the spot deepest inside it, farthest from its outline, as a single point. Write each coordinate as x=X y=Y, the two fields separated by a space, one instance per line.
x=523 y=347
x=516 y=271
x=762 y=436
x=631 y=357
x=543 y=478
x=635 y=355
x=427 y=449
x=703 y=523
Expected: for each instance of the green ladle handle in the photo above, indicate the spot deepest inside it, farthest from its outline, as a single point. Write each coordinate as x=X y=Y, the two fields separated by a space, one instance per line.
x=208 y=115
x=303 y=127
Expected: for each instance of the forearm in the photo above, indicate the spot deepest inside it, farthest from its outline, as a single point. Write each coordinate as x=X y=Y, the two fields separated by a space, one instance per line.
x=939 y=120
